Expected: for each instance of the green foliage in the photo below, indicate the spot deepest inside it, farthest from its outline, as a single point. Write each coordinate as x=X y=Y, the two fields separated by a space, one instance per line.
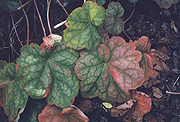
x=84 y=26
x=171 y=1
x=113 y=21
x=8 y=6
x=51 y=74
x=166 y=3
x=12 y=95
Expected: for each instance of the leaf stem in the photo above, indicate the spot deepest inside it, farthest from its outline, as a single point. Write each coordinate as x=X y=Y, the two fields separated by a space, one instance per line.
x=40 y=18
x=27 y=21
x=15 y=30
x=63 y=7
x=131 y=14
x=48 y=6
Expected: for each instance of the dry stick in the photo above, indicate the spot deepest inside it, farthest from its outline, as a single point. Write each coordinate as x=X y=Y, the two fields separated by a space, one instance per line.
x=48 y=6
x=63 y=7
x=27 y=21
x=15 y=30
x=128 y=19
x=40 y=18
x=172 y=92
x=24 y=5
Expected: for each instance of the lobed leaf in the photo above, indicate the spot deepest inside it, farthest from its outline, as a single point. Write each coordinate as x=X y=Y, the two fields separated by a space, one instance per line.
x=71 y=114
x=113 y=21
x=13 y=96
x=163 y=4
x=49 y=73
x=84 y=25
x=109 y=72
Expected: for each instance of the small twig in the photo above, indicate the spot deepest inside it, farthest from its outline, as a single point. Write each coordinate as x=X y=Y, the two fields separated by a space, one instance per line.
x=2 y=17
x=48 y=6
x=60 y=24
x=131 y=14
x=40 y=18
x=63 y=7
x=22 y=6
x=27 y=21
x=15 y=30
x=168 y=92
x=176 y=80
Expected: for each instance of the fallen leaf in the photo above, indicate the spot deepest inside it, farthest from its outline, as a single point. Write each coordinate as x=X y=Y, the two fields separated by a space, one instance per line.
x=127 y=104
x=51 y=113
x=157 y=92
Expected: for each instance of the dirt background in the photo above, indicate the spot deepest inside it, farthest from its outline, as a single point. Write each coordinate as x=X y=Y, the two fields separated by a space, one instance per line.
x=148 y=20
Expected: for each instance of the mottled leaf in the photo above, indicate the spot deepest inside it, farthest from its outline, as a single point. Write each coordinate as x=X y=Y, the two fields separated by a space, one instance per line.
x=8 y=5
x=143 y=45
x=13 y=96
x=113 y=21
x=49 y=73
x=33 y=108
x=133 y=1
x=84 y=25
x=51 y=113
x=109 y=72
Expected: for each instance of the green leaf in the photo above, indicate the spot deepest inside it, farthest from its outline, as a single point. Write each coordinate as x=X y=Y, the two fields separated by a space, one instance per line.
x=49 y=73
x=84 y=25
x=8 y=6
x=109 y=72
x=171 y=1
x=100 y=2
x=13 y=95
x=33 y=108
x=133 y=1
x=113 y=21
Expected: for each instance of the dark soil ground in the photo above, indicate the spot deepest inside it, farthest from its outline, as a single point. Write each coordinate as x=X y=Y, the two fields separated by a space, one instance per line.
x=148 y=20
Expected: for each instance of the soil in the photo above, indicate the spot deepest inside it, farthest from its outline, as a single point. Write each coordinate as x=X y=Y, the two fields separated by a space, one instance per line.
x=148 y=20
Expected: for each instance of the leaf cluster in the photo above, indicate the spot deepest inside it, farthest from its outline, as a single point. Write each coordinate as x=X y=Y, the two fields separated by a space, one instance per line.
x=85 y=60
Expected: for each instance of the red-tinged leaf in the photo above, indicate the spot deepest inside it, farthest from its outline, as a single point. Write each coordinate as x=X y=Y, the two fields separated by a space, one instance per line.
x=12 y=95
x=144 y=45
x=53 y=114
x=109 y=72
x=143 y=102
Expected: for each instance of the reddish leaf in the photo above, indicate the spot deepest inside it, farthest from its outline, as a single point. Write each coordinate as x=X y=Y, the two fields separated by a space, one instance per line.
x=109 y=72
x=53 y=114
x=143 y=44
x=143 y=102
